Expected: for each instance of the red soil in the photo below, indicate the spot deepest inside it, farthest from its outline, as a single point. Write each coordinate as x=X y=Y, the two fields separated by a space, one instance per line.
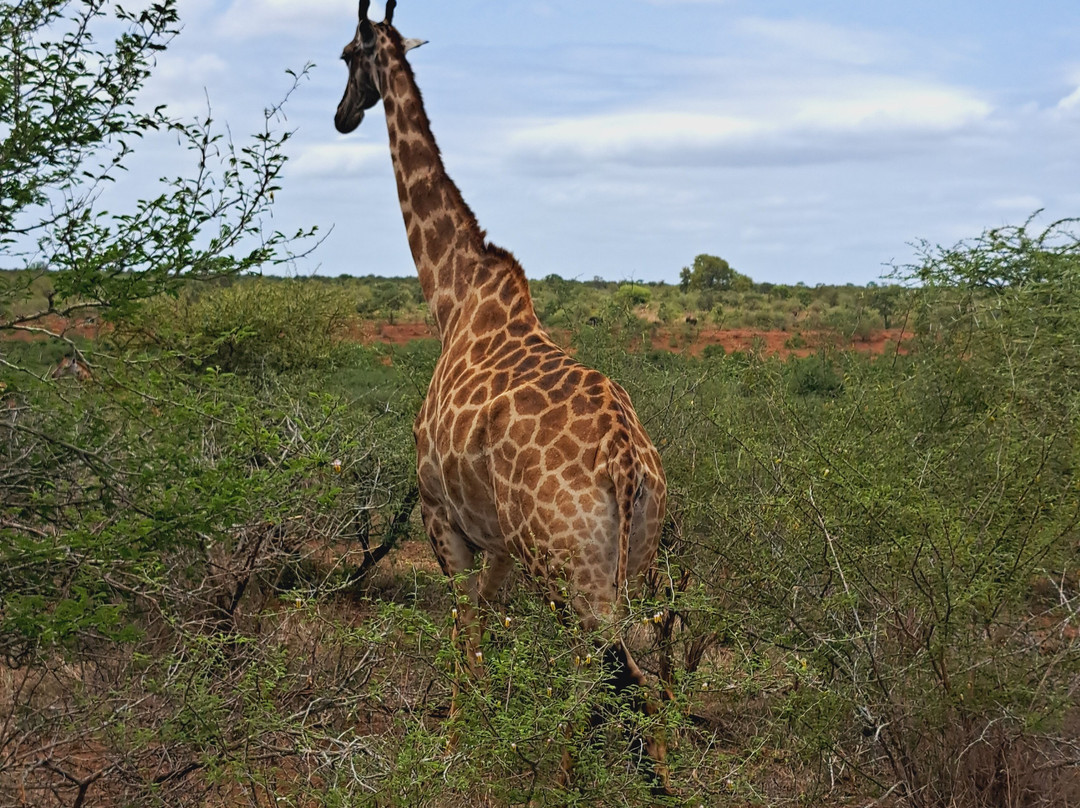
x=768 y=343
x=786 y=343
x=369 y=331
x=678 y=340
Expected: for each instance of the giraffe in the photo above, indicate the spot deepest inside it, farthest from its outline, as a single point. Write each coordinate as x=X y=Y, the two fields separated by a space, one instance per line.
x=523 y=454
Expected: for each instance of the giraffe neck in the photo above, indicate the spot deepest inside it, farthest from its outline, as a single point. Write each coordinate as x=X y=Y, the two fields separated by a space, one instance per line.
x=459 y=271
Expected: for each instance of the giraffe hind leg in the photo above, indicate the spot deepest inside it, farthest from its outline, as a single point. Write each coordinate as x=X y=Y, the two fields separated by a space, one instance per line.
x=627 y=679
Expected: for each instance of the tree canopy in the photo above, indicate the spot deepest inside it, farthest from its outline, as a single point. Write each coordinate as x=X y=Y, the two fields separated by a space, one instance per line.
x=710 y=272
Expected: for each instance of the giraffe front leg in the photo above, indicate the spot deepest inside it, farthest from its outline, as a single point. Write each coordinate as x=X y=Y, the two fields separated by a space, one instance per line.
x=468 y=626
x=474 y=594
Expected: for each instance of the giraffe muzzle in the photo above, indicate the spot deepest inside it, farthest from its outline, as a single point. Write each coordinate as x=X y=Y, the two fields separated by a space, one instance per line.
x=346 y=120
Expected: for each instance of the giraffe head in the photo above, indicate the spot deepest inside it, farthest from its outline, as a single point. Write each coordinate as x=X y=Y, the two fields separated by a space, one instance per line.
x=363 y=88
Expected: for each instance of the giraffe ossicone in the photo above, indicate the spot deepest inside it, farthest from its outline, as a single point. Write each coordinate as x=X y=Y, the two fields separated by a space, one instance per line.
x=524 y=455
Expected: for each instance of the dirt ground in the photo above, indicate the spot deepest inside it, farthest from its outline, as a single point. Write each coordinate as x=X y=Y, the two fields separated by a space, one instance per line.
x=768 y=343
x=782 y=343
x=678 y=340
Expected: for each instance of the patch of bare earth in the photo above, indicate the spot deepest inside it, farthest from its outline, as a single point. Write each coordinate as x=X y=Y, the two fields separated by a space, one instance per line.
x=676 y=339
x=782 y=343
x=763 y=342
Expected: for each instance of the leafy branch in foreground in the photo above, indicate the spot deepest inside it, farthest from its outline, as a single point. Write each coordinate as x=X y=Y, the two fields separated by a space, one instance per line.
x=70 y=111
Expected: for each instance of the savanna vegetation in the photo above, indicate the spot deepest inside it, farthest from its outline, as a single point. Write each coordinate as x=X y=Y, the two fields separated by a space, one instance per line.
x=214 y=589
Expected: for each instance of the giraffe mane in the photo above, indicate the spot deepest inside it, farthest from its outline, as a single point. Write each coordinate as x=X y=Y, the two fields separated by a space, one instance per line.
x=479 y=233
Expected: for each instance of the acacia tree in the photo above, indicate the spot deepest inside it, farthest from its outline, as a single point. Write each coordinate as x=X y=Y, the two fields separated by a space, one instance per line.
x=710 y=273
x=85 y=474
x=70 y=115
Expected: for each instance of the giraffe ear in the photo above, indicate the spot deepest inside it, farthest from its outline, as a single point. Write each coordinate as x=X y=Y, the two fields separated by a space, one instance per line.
x=413 y=43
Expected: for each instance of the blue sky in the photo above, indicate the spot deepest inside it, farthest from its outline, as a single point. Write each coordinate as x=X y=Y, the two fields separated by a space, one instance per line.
x=801 y=141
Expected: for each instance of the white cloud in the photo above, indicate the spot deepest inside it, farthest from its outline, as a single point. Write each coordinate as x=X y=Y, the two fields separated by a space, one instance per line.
x=1071 y=102
x=818 y=40
x=189 y=70
x=180 y=80
x=337 y=159
x=250 y=19
x=887 y=103
x=1014 y=204
x=604 y=135
x=832 y=119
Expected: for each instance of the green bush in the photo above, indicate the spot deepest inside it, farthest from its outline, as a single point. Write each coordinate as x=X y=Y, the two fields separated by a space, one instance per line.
x=633 y=294
x=254 y=324
x=894 y=537
x=814 y=375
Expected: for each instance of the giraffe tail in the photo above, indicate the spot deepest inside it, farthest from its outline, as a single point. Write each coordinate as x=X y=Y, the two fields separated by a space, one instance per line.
x=628 y=479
